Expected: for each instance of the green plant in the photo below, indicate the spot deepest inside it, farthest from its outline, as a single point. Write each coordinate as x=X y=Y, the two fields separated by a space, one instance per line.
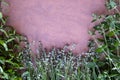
x=10 y=63
x=61 y=64
x=109 y=42
x=58 y=64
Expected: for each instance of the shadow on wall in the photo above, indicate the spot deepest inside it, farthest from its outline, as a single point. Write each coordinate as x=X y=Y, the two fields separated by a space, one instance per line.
x=54 y=22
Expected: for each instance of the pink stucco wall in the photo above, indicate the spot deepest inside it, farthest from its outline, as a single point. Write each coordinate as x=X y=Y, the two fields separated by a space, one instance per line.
x=55 y=22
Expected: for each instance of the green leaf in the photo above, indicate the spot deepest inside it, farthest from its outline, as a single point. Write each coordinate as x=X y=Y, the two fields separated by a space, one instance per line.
x=116 y=44
x=112 y=4
x=101 y=48
x=9 y=40
x=12 y=63
x=110 y=34
x=2 y=30
x=1 y=70
x=2 y=62
x=4 y=45
x=114 y=75
x=91 y=64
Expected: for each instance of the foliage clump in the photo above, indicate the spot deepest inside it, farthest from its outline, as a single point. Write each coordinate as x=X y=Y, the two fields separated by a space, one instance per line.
x=10 y=62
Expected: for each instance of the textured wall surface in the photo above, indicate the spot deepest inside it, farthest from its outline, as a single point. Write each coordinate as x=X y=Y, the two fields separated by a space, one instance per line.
x=55 y=22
